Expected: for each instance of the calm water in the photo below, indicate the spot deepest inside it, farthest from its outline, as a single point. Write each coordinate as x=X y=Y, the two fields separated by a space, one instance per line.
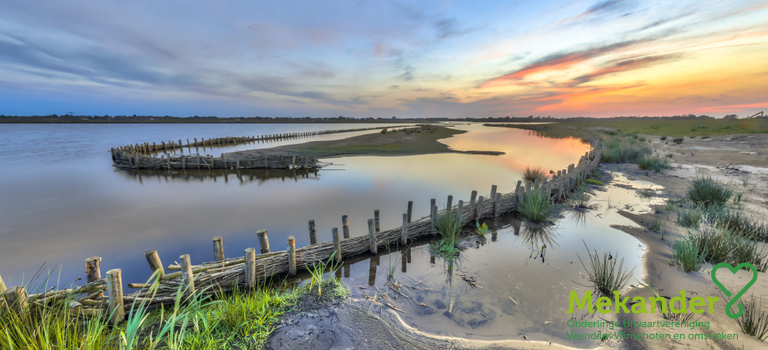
x=62 y=201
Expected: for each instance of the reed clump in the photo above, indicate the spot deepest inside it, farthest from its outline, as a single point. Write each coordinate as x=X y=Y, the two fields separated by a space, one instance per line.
x=607 y=274
x=619 y=149
x=533 y=174
x=536 y=206
x=754 y=320
x=652 y=163
x=715 y=244
x=448 y=225
x=708 y=192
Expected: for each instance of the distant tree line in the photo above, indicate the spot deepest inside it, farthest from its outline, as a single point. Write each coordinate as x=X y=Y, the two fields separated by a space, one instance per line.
x=166 y=119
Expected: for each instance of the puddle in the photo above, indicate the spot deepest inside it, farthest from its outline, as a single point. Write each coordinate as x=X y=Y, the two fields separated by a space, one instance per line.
x=516 y=280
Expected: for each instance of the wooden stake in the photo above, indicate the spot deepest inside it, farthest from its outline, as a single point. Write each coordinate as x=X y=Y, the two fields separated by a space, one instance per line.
x=263 y=241
x=292 y=255
x=154 y=261
x=404 y=229
x=376 y=220
x=188 y=279
x=479 y=208
x=434 y=217
x=460 y=212
x=472 y=197
x=449 y=205
x=345 y=225
x=517 y=188
x=497 y=205
x=93 y=268
x=115 y=291
x=410 y=210
x=372 y=244
x=250 y=267
x=218 y=249
x=493 y=191
x=312 y=232
x=336 y=243
x=16 y=297
x=2 y=285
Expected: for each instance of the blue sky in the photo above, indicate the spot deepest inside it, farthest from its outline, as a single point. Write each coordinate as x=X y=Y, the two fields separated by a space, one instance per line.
x=383 y=58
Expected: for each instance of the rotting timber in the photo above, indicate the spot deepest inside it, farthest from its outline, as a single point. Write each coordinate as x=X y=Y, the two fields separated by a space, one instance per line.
x=249 y=269
x=145 y=155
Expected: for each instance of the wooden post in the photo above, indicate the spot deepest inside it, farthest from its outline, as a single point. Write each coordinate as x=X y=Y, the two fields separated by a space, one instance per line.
x=460 y=212
x=291 y=255
x=263 y=241
x=293 y=161
x=434 y=217
x=493 y=192
x=16 y=297
x=497 y=205
x=372 y=244
x=376 y=220
x=115 y=291
x=188 y=279
x=312 y=232
x=410 y=210
x=93 y=268
x=404 y=229
x=336 y=243
x=154 y=261
x=218 y=249
x=479 y=208
x=345 y=225
x=449 y=205
x=2 y=285
x=517 y=188
x=250 y=267
x=432 y=204
x=472 y=197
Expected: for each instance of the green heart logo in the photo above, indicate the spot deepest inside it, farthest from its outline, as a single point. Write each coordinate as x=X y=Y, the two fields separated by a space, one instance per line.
x=738 y=295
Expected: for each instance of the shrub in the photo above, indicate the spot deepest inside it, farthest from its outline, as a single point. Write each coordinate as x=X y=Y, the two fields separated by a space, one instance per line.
x=678 y=140
x=535 y=206
x=532 y=174
x=604 y=274
x=384 y=131
x=708 y=192
x=656 y=164
x=663 y=138
x=623 y=150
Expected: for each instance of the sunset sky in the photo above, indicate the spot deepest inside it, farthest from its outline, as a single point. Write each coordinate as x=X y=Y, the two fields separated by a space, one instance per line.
x=384 y=58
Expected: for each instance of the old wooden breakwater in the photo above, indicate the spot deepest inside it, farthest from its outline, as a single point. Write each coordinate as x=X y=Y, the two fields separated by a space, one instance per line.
x=248 y=269
x=145 y=156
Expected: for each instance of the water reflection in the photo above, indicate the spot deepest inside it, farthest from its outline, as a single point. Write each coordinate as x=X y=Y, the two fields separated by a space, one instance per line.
x=244 y=176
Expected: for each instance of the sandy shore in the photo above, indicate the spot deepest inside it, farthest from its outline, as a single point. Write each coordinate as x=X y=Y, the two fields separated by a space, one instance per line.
x=740 y=160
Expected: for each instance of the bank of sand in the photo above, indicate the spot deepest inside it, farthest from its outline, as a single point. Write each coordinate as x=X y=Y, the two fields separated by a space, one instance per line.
x=731 y=159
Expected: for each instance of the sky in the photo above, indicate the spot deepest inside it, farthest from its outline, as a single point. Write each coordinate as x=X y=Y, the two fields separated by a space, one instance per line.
x=384 y=58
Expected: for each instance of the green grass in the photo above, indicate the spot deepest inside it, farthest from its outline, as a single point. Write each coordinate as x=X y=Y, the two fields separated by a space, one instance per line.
x=687 y=255
x=594 y=182
x=652 y=163
x=690 y=217
x=720 y=244
x=535 y=206
x=533 y=174
x=240 y=319
x=754 y=320
x=605 y=274
x=449 y=227
x=708 y=192
x=619 y=149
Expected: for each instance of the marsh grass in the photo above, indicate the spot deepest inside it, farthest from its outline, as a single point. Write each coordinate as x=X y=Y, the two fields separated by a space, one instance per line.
x=449 y=227
x=719 y=244
x=652 y=163
x=606 y=274
x=690 y=217
x=708 y=192
x=536 y=206
x=687 y=255
x=533 y=174
x=318 y=269
x=754 y=321
x=623 y=150
x=238 y=319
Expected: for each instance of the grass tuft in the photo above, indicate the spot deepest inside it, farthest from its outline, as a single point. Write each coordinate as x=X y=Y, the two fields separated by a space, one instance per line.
x=687 y=255
x=754 y=321
x=535 y=206
x=605 y=274
x=533 y=174
x=652 y=163
x=706 y=191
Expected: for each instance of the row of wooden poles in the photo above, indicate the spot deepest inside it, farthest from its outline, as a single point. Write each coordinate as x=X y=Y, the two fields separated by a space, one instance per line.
x=141 y=156
x=224 y=273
